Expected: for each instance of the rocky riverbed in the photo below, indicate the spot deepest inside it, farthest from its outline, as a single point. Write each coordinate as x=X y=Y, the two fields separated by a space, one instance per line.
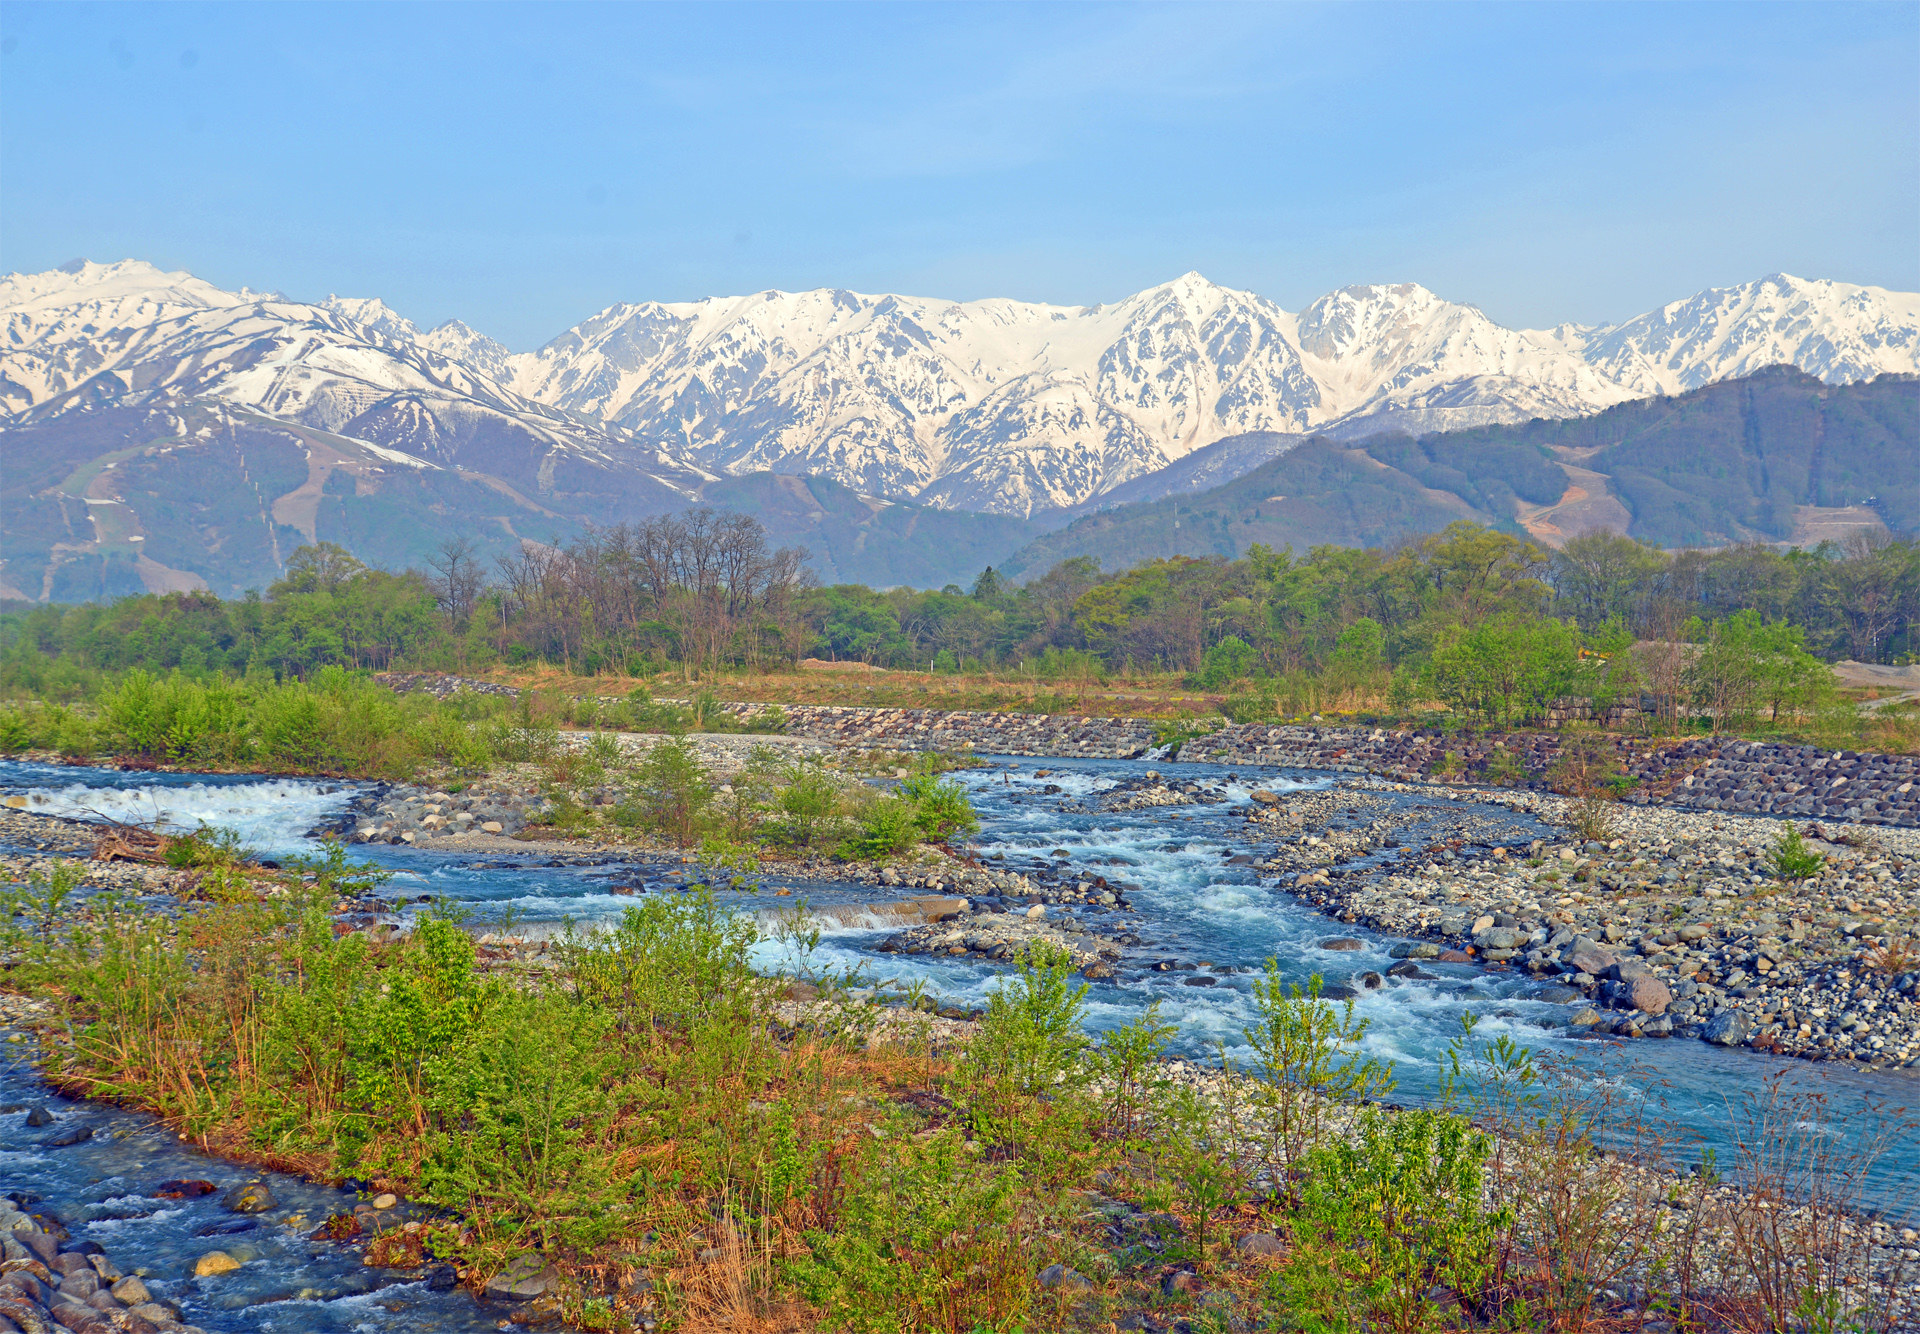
x=1674 y=925
x=1711 y=773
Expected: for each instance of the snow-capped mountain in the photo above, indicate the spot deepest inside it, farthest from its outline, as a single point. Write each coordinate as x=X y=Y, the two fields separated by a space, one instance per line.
x=1838 y=331
x=994 y=405
x=92 y=333
x=1012 y=407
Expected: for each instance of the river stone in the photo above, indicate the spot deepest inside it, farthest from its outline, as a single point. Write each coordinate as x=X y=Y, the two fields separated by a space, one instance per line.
x=525 y=1276
x=1726 y=1029
x=182 y=1189
x=252 y=1198
x=73 y=1134
x=1415 y=950
x=1589 y=959
x=131 y=1291
x=214 y=1263
x=1648 y=994
x=1626 y=970
x=40 y=1116
x=1342 y=943
x=1065 y=1279
x=1586 y=1017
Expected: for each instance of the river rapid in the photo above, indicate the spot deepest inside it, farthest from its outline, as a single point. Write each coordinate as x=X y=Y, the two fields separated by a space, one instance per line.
x=1187 y=902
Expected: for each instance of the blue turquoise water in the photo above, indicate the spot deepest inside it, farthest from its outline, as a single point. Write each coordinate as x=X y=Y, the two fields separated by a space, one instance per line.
x=1190 y=904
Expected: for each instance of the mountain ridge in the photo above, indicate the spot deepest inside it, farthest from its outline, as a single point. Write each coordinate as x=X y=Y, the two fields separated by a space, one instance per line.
x=995 y=405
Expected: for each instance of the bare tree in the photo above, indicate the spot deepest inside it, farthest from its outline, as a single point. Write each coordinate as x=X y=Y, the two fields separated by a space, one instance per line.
x=457 y=578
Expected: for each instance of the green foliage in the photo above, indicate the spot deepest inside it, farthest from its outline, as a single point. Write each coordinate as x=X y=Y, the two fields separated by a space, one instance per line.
x=941 y=809
x=206 y=846
x=928 y=1241
x=1791 y=859
x=1129 y=1062
x=1505 y=668
x=1227 y=661
x=807 y=811
x=332 y=723
x=1303 y=1050
x=42 y=902
x=1383 y=1217
x=1029 y=1046
x=1744 y=665
x=671 y=791
x=888 y=826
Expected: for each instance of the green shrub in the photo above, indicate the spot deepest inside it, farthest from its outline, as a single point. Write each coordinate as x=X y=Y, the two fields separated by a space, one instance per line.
x=1303 y=1047
x=889 y=826
x=1791 y=859
x=807 y=808
x=941 y=810
x=671 y=791
x=927 y=1239
x=1382 y=1218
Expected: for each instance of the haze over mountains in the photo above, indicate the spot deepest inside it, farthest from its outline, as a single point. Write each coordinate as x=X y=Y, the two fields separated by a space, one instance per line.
x=1017 y=409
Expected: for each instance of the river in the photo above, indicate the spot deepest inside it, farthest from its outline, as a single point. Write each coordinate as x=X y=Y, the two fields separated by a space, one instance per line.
x=1190 y=904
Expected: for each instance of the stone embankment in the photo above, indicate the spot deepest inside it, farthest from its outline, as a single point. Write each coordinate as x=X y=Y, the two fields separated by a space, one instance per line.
x=1711 y=774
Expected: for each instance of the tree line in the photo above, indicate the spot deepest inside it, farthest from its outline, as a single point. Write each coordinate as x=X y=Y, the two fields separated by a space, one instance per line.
x=704 y=591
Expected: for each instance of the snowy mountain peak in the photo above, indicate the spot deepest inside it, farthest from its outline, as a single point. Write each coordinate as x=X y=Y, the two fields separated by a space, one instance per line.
x=992 y=404
x=85 y=282
x=374 y=314
x=1838 y=331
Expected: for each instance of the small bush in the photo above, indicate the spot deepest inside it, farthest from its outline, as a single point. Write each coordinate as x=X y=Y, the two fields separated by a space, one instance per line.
x=1383 y=1219
x=889 y=826
x=1791 y=859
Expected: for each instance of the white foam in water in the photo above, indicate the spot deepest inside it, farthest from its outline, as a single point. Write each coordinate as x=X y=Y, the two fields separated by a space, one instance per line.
x=271 y=816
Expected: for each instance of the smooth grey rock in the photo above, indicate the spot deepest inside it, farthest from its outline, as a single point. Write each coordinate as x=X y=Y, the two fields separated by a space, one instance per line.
x=1726 y=1029
x=252 y=1198
x=1065 y=1279
x=525 y=1276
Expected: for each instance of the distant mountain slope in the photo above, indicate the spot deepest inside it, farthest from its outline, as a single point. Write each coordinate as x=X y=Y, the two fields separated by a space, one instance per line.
x=200 y=494
x=995 y=405
x=1322 y=493
x=91 y=334
x=124 y=497
x=1761 y=458
x=854 y=538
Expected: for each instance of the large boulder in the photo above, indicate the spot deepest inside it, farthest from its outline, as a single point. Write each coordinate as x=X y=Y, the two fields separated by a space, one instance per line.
x=525 y=1277
x=1648 y=994
x=1726 y=1029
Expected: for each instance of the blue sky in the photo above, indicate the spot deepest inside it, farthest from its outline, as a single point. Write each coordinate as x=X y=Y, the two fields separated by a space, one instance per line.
x=520 y=166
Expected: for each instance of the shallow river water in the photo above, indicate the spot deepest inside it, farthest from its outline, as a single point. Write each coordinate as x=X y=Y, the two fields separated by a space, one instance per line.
x=1190 y=904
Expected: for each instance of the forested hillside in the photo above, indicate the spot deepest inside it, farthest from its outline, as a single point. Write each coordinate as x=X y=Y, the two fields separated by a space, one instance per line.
x=1740 y=461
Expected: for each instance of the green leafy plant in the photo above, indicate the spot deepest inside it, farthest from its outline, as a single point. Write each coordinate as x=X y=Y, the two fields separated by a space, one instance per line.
x=1130 y=1068
x=941 y=808
x=1791 y=859
x=671 y=791
x=1303 y=1048
x=207 y=845
x=1384 y=1217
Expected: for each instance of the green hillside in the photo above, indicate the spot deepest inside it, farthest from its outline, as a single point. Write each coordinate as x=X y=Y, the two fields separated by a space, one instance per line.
x=1732 y=462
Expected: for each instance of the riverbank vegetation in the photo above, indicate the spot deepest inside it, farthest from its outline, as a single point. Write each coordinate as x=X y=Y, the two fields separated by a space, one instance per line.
x=1466 y=626
x=671 y=1139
